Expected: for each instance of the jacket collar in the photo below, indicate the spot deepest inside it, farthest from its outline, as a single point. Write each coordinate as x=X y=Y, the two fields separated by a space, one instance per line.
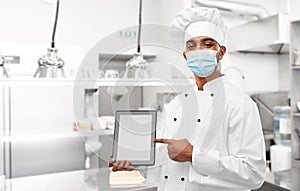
x=214 y=85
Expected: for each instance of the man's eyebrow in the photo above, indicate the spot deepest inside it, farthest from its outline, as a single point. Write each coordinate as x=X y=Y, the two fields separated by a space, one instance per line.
x=190 y=41
x=202 y=40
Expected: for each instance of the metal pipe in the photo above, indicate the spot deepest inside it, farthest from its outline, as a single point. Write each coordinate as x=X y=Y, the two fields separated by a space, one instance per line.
x=55 y=24
x=235 y=7
x=140 y=27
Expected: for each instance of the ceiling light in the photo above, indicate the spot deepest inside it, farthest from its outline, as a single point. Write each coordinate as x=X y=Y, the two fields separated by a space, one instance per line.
x=137 y=67
x=51 y=65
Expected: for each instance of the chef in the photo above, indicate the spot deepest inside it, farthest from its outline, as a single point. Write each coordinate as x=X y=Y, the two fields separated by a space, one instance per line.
x=210 y=137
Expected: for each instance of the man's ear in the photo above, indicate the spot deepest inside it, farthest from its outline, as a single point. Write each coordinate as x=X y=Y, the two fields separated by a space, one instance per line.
x=222 y=51
x=184 y=55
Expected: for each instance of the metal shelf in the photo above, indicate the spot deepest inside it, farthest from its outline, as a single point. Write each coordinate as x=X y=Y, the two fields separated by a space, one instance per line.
x=271 y=36
x=16 y=136
x=294 y=91
x=145 y=82
x=37 y=82
x=296 y=162
x=125 y=56
x=295 y=20
x=295 y=67
x=296 y=114
x=95 y=83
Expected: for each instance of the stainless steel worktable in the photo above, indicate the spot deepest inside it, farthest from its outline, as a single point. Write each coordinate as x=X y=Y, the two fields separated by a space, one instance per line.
x=283 y=180
x=85 y=180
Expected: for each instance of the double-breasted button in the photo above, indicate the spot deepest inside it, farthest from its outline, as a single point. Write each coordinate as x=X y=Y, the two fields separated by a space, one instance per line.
x=175 y=119
x=166 y=177
x=199 y=120
x=182 y=179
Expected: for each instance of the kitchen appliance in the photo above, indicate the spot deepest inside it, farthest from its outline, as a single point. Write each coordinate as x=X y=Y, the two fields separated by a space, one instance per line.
x=266 y=101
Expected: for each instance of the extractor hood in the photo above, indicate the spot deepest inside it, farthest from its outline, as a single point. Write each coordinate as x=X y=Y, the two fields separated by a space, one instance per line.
x=266 y=35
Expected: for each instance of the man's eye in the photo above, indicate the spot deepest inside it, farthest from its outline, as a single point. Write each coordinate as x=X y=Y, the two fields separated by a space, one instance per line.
x=190 y=46
x=208 y=45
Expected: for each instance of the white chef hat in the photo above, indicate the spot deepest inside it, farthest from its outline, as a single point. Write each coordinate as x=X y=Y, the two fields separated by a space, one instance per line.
x=200 y=21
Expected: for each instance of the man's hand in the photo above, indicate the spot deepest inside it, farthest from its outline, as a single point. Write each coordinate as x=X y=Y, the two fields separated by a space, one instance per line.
x=178 y=150
x=120 y=165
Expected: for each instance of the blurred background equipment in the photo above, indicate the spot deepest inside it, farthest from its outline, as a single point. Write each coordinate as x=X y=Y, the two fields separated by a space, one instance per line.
x=51 y=65
x=282 y=125
x=235 y=7
x=3 y=72
x=116 y=92
x=111 y=74
x=137 y=67
x=280 y=158
x=106 y=122
x=297 y=54
x=265 y=103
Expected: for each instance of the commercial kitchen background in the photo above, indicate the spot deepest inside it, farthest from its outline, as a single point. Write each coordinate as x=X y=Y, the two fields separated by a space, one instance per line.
x=26 y=28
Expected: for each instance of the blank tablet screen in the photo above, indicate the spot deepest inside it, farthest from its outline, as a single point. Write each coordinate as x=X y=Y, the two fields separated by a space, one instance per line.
x=134 y=132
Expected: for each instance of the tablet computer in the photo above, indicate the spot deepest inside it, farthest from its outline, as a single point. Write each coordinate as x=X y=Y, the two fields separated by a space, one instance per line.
x=134 y=133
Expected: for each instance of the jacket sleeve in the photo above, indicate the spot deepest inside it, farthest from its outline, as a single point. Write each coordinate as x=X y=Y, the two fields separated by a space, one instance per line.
x=244 y=166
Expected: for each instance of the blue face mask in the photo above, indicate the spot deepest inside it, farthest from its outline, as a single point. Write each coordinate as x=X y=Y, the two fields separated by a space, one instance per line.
x=202 y=62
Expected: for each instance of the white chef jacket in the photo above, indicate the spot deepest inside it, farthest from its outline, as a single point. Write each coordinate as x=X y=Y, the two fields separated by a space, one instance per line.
x=223 y=125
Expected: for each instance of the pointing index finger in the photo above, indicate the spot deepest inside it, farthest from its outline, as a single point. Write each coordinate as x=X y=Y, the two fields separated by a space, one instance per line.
x=161 y=141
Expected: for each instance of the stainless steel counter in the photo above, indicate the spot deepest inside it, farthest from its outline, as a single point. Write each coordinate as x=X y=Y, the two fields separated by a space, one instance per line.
x=98 y=180
x=85 y=180
x=283 y=180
